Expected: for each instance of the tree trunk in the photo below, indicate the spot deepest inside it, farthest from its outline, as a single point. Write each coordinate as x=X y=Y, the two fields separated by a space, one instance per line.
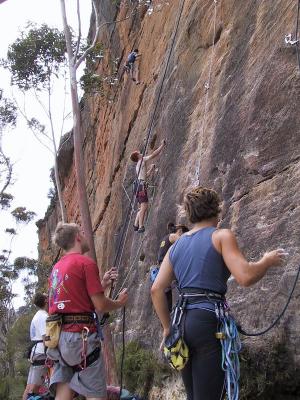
x=56 y=172
x=78 y=150
x=59 y=192
x=80 y=167
x=109 y=354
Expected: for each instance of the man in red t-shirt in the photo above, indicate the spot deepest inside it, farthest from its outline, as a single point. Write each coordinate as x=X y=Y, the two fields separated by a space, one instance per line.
x=75 y=291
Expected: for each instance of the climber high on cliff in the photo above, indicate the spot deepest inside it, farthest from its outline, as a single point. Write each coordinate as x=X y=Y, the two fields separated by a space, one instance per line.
x=129 y=66
x=140 y=186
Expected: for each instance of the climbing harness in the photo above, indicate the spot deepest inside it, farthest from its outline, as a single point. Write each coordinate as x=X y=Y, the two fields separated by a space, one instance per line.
x=142 y=241
x=176 y=350
x=31 y=347
x=245 y=333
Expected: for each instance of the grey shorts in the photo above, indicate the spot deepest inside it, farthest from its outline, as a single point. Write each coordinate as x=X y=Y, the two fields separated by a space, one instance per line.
x=37 y=374
x=90 y=382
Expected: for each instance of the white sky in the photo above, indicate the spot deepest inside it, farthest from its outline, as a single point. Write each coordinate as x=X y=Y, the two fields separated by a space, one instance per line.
x=32 y=162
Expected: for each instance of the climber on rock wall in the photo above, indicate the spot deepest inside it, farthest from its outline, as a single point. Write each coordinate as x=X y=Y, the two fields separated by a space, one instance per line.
x=201 y=261
x=174 y=233
x=140 y=185
x=75 y=295
x=129 y=67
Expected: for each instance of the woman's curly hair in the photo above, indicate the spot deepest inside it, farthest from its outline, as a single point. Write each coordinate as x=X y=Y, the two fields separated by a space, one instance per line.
x=201 y=203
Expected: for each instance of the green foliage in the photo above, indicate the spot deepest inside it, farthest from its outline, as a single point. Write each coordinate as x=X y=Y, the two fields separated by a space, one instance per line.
x=10 y=231
x=91 y=83
x=5 y=200
x=35 y=56
x=22 y=263
x=22 y=215
x=141 y=369
x=8 y=112
x=269 y=371
x=17 y=340
x=95 y=54
x=36 y=126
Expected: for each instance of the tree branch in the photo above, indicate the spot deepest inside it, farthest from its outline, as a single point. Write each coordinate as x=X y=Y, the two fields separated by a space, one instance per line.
x=23 y=113
x=90 y=48
x=79 y=32
x=82 y=58
x=66 y=30
x=8 y=173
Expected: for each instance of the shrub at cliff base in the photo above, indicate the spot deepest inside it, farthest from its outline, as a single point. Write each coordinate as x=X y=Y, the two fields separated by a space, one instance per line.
x=141 y=369
x=265 y=372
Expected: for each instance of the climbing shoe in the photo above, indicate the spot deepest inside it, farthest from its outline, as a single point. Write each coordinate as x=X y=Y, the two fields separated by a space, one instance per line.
x=135 y=228
x=141 y=229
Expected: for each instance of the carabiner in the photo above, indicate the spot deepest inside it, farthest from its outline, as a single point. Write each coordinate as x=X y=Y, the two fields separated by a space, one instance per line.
x=85 y=333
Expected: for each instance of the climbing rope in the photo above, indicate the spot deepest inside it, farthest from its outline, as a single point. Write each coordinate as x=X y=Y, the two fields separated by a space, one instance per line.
x=231 y=346
x=245 y=333
x=140 y=245
x=207 y=89
x=297 y=33
x=123 y=350
x=122 y=242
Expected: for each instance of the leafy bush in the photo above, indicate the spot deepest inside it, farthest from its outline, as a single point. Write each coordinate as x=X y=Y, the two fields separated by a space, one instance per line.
x=141 y=369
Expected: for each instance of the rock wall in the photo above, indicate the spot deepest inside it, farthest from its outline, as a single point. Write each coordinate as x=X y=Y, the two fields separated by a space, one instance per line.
x=244 y=142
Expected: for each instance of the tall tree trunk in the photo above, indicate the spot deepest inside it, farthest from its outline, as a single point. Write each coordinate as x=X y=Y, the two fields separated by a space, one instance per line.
x=81 y=187
x=56 y=172
x=78 y=150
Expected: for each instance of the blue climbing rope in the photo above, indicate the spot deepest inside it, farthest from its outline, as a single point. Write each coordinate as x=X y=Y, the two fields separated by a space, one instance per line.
x=231 y=346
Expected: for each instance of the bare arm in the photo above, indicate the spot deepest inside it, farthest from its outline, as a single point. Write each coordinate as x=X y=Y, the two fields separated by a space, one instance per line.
x=155 y=152
x=162 y=282
x=151 y=169
x=104 y=304
x=246 y=273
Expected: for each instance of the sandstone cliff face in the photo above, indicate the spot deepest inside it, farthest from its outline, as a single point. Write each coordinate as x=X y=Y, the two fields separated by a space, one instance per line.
x=247 y=146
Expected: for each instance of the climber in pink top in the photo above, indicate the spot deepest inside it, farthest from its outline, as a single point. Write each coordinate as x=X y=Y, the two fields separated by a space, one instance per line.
x=141 y=183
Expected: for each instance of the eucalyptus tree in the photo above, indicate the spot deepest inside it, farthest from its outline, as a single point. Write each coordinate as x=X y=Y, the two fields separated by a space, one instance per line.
x=8 y=118
x=37 y=63
x=75 y=58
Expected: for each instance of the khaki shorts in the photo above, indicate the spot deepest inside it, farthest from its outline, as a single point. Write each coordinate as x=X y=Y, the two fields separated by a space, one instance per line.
x=37 y=374
x=90 y=382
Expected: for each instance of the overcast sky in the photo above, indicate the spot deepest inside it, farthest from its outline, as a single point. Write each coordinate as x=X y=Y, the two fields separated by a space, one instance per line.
x=32 y=162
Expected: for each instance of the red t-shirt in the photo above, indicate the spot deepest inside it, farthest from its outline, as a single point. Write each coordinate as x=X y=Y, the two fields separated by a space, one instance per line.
x=73 y=280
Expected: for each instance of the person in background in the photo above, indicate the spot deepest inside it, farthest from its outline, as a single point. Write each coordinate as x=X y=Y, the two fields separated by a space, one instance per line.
x=37 y=355
x=202 y=260
x=129 y=66
x=174 y=233
x=76 y=293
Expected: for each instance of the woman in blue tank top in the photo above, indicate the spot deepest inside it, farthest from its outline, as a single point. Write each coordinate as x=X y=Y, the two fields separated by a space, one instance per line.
x=203 y=259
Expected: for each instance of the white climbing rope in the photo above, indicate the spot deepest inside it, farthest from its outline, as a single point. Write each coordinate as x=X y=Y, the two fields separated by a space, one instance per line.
x=207 y=89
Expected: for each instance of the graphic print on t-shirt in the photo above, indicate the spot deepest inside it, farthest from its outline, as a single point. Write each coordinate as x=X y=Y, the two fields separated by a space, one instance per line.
x=57 y=285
